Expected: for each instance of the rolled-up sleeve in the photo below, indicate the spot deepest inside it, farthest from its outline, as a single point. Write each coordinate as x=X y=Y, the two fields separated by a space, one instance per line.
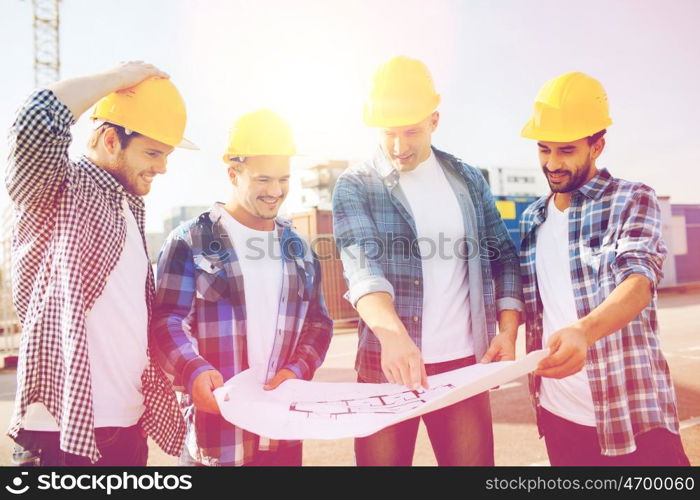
x=358 y=241
x=38 y=151
x=640 y=249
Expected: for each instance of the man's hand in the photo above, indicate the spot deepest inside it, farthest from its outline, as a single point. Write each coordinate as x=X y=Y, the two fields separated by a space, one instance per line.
x=203 y=391
x=280 y=376
x=568 y=349
x=402 y=362
x=131 y=73
x=502 y=348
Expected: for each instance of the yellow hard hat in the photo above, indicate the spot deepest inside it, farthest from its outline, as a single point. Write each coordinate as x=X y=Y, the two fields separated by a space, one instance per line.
x=568 y=108
x=402 y=94
x=153 y=108
x=260 y=133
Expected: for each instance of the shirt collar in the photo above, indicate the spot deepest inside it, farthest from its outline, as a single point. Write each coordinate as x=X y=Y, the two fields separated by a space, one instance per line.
x=108 y=182
x=595 y=187
x=388 y=172
x=593 y=190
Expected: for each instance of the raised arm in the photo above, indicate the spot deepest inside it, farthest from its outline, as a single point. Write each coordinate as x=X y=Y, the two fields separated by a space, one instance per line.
x=40 y=134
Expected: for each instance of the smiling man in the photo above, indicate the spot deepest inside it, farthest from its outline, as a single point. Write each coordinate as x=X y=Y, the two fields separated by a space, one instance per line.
x=591 y=256
x=430 y=268
x=87 y=389
x=239 y=289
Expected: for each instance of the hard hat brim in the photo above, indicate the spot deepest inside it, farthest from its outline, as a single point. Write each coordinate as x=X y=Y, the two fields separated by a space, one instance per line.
x=531 y=131
x=185 y=144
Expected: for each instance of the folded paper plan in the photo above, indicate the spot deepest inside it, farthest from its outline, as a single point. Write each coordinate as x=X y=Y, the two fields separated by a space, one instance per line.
x=299 y=409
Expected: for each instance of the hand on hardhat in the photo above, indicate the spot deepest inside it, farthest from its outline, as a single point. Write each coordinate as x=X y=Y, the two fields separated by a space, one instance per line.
x=131 y=73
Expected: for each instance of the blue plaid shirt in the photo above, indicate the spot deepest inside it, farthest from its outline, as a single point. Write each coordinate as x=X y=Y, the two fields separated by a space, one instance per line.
x=371 y=218
x=614 y=232
x=200 y=324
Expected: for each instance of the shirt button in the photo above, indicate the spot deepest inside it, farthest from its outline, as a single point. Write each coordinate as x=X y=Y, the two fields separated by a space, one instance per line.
x=417 y=282
x=415 y=319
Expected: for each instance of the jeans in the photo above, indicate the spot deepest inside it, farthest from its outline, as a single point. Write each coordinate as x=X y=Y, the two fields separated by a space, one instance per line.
x=288 y=456
x=119 y=446
x=571 y=444
x=460 y=434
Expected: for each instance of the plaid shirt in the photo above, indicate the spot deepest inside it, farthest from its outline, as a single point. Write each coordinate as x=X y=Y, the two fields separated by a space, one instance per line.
x=68 y=237
x=200 y=324
x=614 y=232
x=370 y=213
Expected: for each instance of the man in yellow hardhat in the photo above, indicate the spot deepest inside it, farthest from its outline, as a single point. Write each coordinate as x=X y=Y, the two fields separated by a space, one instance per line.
x=592 y=255
x=238 y=289
x=88 y=390
x=430 y=267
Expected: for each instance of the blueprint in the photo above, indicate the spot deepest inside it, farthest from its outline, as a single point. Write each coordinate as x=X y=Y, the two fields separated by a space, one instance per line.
x=299 y=409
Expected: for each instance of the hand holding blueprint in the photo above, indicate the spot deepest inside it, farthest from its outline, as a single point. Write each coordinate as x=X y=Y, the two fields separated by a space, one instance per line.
x=298 y=409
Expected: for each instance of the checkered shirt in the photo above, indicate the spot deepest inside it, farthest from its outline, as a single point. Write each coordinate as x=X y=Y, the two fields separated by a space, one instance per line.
x=67 y=239
x=614 y=232
x=200 y=325
x=368 y=209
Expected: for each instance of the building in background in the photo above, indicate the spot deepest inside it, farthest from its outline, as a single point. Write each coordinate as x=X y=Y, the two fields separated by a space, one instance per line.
x=154 y=242
x=178 y=215
x=518 y=182
x=681 y=231
x=318 y=181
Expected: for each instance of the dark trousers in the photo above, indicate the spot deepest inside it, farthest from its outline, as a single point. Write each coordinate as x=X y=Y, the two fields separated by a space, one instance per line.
x=460 y=434
x=287 y=456
x=570 y=444
x=119 y=446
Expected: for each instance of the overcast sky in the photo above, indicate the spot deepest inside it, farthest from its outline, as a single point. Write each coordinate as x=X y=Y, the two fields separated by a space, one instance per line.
x=312 y=61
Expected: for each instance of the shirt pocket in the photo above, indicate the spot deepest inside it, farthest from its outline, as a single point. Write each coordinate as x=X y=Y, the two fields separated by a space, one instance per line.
x=210 y=278
x=597 y=255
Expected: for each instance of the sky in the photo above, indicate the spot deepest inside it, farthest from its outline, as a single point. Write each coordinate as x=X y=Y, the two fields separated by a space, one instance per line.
x=312 y=61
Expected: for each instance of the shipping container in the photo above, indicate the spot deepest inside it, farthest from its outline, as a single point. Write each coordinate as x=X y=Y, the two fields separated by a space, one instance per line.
x=511 y=209
x=317 y=227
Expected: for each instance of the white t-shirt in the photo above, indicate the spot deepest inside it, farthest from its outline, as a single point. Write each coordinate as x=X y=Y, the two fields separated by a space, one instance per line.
x=446 y=332
x=569 y=398
x=117 y=335
x=259 y=255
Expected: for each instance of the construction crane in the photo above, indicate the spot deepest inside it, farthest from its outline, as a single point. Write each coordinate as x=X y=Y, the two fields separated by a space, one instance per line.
x=47 y=60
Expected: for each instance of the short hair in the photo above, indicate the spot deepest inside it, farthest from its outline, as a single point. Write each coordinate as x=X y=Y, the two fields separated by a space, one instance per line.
x=592 y=139
x=236 y=162
x=123 y=137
